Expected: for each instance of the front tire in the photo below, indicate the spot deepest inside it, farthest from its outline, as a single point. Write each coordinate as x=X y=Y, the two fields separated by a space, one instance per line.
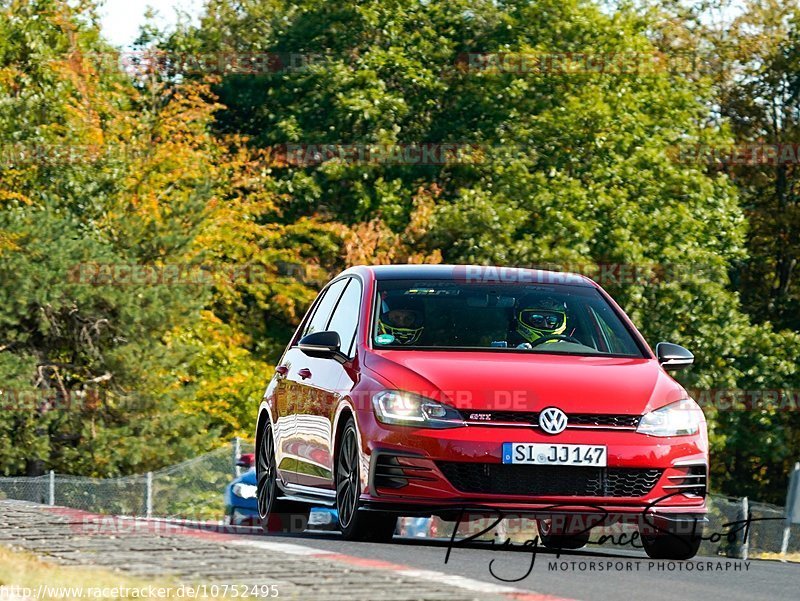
x=671 y=546
x=354 y=522
x=560 y=541
x=277 y=515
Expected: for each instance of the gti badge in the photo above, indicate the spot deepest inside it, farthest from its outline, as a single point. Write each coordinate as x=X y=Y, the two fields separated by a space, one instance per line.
x=553 y=420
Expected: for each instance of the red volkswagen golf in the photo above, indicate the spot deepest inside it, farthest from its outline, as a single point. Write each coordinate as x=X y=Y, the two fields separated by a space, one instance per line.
x=434 y=390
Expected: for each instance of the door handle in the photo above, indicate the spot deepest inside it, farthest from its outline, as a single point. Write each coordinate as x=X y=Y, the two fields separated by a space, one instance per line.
x=304 y=373
x=282 y=370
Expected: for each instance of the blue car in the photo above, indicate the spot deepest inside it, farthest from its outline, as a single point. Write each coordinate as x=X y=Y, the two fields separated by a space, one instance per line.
x=241 y=508
x=241 y=505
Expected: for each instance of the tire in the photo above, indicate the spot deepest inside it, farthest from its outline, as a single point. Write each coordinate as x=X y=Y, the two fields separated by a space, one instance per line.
x=560 y=541
x=277 y=515
x=354 y=522
x=672 y=546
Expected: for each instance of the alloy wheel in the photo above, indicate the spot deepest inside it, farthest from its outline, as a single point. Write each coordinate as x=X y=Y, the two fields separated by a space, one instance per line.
x=266 y=473
x=347 y=485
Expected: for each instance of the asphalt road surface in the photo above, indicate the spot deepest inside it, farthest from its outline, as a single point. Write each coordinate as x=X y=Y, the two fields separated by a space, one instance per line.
x=322 y=566
x=588 y=574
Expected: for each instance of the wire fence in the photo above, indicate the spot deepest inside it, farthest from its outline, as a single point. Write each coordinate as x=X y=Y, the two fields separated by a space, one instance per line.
x=193 y=490
x=188 y=490
x=740 y=528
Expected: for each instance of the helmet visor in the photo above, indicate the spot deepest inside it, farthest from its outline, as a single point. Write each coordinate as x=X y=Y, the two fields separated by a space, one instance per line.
x=403 y=318
x=542 y=319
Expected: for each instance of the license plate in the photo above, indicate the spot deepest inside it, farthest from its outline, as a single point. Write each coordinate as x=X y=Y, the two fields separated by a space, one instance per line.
x=554 y=454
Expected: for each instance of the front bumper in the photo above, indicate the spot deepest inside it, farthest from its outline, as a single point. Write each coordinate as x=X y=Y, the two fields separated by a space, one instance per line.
x=406 y=468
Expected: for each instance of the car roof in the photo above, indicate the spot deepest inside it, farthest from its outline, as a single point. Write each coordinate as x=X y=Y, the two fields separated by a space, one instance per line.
x=473 y=274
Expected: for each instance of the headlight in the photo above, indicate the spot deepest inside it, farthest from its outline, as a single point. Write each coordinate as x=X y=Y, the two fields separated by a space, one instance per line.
x=245 y=491
x=409 y=409
x=676 y=419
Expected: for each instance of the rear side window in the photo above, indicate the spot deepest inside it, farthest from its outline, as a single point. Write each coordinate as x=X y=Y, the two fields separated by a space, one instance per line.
x=322 y=313
x=345 y=317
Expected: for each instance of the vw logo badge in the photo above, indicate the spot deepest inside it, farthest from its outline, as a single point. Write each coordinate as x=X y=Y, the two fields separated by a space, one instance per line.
x=552 y=420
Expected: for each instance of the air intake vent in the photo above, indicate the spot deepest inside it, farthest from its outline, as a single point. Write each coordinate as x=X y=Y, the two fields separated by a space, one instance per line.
x=693 y=482
x=549 y=480
x=392 y=472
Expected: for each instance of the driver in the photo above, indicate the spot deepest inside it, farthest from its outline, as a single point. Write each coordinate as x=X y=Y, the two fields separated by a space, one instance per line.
x=537 y=316
x=403 y=318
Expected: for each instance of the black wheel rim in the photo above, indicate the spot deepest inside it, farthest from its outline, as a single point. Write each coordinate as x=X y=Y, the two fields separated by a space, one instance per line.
x=266 y=473
x=347 y=478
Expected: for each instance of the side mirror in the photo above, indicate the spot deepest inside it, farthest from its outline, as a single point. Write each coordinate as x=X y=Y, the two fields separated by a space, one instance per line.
x=673 y=356
x=246 y=460
x=323 y=345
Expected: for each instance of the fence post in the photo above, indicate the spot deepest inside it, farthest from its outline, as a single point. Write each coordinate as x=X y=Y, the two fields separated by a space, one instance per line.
x=149 y=495
x=52 y=488
x=785 y=543
x=746 y=516
x=237 y=450
x=791 y=510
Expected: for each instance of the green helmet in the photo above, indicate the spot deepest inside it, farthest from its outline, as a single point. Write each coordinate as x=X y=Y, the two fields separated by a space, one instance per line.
x=402 y=318
x=538 y=316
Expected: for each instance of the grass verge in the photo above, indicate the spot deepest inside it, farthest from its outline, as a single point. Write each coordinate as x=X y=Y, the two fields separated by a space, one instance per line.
x=778 y=556
x=24 y=577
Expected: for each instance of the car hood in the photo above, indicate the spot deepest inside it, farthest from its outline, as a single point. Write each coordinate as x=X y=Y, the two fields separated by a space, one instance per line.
x=524 y=382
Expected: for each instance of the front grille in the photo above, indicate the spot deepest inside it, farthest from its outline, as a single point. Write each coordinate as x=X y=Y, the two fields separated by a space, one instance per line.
x=603 y=420
x=549 y=480
x=597 y=420
x=510 y=417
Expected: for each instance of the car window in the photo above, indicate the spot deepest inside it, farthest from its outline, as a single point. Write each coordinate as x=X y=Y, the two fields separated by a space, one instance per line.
x=557 y=318
x=324 y=307
x=344 y=320
x=613 y=335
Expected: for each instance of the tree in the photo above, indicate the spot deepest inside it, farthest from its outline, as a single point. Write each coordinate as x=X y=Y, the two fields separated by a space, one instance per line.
x=100 y=180
x=761 y=100
x=567 y=167
x=750 y=57
x=279 y=142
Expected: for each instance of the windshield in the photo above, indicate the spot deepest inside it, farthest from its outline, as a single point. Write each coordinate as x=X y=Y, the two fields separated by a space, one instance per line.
x=443 y=314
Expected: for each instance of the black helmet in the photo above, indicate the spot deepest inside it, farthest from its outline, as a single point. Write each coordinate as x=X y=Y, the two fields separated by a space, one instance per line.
x=402 y=317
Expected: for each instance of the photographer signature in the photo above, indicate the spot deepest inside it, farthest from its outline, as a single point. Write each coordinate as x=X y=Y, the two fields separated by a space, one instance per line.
x=730 y=531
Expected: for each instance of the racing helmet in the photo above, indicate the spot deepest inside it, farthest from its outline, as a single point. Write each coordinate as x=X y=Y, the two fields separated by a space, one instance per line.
x=402 y=317
x=538 y=316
